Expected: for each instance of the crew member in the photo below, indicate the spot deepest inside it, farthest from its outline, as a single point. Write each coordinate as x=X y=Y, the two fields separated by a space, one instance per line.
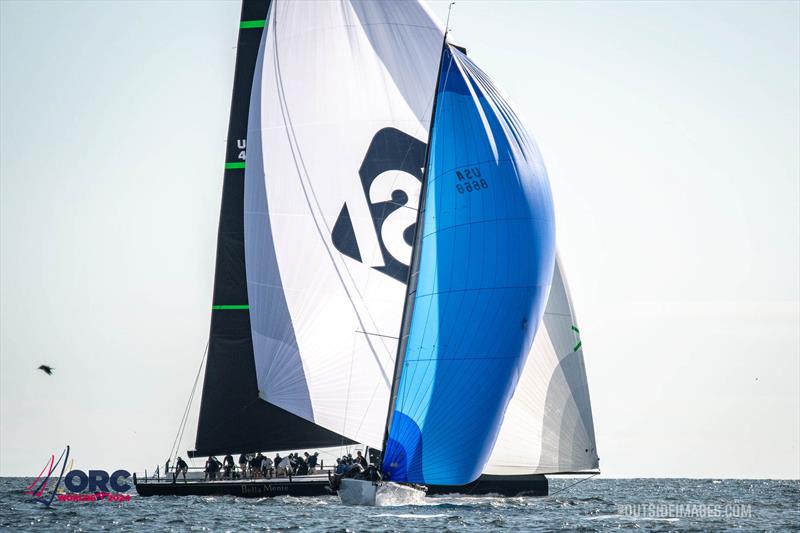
x=180 y=468
x=266 y=466
x=301 y=466
x=361 y=460
x=255 y=466
x=243 y=465
x=228 y=465
x=285 y=466
x=212 y=467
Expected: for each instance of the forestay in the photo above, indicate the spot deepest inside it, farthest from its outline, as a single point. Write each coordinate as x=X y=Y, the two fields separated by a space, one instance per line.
x=486 y=261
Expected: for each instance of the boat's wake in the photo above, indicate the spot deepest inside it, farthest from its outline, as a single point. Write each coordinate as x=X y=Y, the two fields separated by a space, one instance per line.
x=393 y=495
x=409 y=515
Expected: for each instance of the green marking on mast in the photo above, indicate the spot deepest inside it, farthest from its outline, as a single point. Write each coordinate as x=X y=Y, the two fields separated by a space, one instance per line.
x=251 y=24
x=234 y=165
x=221 y=307
x=576 y=330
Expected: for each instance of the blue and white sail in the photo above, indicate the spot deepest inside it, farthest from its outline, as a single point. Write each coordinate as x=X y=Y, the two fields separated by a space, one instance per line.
x=479 y=285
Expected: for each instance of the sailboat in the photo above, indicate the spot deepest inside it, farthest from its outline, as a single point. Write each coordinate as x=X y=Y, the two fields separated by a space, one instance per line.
x=320 y=259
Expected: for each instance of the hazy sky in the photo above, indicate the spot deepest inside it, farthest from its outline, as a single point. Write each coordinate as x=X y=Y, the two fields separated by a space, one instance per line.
x=670 y=132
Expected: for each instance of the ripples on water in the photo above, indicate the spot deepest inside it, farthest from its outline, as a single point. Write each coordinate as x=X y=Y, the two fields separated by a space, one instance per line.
x=595 y=505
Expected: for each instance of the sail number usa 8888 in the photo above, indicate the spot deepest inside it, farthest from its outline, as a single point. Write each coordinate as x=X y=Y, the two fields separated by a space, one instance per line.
x=469 y=180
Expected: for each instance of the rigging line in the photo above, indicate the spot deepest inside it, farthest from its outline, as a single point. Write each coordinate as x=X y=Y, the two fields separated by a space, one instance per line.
x=176 y=442
x=576 y=483
x=299 y=162
x=369 y=405
x=185 y=420
x=377 y=334
x=399 y=204
x=447 y=25
x=182 y=425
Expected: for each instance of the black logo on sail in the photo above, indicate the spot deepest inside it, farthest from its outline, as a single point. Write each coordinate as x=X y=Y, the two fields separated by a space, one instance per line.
x=391 y=177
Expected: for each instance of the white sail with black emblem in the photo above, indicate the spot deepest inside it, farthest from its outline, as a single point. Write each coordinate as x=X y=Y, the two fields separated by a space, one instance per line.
x=338 y=125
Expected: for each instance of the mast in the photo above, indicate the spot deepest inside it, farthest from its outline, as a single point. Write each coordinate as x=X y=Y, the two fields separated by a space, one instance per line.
x=230 y=347
x=413 y=269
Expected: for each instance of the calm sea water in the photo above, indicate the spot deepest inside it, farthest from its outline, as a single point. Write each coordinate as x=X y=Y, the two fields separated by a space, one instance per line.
x=594 y=505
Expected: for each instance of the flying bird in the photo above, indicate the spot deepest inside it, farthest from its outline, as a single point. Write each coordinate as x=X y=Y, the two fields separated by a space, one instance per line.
x=46 y=369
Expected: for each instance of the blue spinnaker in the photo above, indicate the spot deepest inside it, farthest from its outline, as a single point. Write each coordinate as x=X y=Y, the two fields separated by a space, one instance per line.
x=484 y=271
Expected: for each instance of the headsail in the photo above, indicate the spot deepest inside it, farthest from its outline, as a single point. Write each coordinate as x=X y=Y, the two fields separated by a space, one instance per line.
x=486 y=257
x=336 y=142
x=548 y=426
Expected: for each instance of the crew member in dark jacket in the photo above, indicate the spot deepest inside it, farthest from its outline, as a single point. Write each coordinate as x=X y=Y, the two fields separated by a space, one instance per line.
x=301 y=468
x=180 y=468
x=361 y=460
x=227 y=464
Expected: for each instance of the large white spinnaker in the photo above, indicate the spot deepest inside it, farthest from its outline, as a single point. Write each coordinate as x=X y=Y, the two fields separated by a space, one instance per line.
x=336 y=140
x=548 y=426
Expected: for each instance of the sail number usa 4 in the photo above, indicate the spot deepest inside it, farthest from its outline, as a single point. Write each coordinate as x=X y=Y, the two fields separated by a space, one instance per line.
x=468 y=179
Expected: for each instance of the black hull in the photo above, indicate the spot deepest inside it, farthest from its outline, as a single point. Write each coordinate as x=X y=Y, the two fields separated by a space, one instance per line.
x=527 y=485
x=523 y=485
x=245 y=489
